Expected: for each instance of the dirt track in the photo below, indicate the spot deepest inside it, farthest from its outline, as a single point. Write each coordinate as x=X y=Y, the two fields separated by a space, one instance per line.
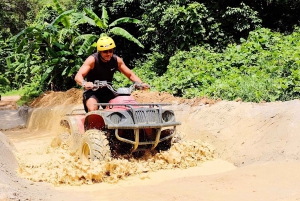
x=256 y=155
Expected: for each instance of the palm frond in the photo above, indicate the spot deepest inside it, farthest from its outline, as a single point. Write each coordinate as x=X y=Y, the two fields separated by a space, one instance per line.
x=122 y=32
x=104 y=16
x=47 y=73
x=85 y=19
x=24 y=32
x=125 y=20
x=89 y=40
x=64 y=33
x=57 y=6
x=63 y=18
x=76 y=16
x=95 y=17
x=81 y=38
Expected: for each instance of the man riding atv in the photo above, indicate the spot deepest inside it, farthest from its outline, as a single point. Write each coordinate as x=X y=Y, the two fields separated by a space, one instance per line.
x=101 y=66
x=114 y=123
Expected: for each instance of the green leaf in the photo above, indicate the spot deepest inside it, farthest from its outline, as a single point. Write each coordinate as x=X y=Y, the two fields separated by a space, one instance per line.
x=35 y=69
x=87 y=44
x=122 y=32
x=64 y=72
x=96 y=19
x=63 y=18
x=47 y=73
x=85 y=19
x=104 y=16
x=8 y=62
x=57 y=6
x=64 y=53
x=51 y=52
x=24 y=32
x=125 y=20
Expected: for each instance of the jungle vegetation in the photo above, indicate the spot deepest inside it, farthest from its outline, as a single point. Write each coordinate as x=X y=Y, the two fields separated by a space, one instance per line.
x=230 y=50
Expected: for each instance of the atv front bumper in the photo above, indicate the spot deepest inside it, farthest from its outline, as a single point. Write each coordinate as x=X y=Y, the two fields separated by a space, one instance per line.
x=137 y=142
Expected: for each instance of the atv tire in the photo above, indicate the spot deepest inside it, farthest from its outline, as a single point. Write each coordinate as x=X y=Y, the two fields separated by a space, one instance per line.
x=94 y=145
x=165 y=145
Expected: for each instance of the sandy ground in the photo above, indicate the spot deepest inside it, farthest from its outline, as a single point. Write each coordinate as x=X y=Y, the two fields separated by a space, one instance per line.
x=230 y=151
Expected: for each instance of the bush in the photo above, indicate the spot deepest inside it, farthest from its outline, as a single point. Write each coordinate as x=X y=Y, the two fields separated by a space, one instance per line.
x=265 y=67
x=4 y=84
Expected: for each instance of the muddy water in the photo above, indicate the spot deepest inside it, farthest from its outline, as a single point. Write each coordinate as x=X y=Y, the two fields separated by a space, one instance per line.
x=41 y=160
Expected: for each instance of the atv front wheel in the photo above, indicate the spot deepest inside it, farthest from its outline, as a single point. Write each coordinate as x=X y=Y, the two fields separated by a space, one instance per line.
x=165 y=145
x=94 y=145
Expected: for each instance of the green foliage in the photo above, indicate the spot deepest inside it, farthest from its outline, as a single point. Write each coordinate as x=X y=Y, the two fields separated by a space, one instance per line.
x=4 y=52
x=13 y=16
x=106 y=29
x=144 y=69
x=237 y=21
x=31 y=90
x=38 y=5
x=50 y=49
x=191 y=25
x=262 y=66
x=46 y=15
x=242 y=18
x=44 y=49
x=4 y=84
x=265 y=67
x=117 y=10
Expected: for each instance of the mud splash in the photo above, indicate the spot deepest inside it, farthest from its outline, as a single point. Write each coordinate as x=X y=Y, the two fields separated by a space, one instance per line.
x=60 y=167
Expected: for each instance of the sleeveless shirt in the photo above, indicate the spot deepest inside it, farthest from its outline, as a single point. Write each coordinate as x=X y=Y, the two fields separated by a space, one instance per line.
x=102 y=70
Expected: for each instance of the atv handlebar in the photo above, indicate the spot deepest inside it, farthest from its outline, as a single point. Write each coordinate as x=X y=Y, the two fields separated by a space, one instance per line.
x=100 y=84
x=127 y=90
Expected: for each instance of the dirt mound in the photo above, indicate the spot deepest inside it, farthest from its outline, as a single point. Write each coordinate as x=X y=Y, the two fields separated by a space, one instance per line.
x=74 y=96
x=52 y=98
x=247 y=133
x=164 y=97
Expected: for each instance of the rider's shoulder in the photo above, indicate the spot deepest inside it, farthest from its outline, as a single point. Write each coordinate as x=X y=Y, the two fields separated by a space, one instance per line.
x=119 y=59
x=90 y=62
x=91 y=58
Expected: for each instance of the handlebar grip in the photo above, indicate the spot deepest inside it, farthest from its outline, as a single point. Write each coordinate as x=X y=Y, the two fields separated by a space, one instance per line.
x=141 y=86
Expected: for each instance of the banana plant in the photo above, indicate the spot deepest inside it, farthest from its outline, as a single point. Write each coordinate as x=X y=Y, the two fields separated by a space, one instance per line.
x=49 y=45
x=106 y=28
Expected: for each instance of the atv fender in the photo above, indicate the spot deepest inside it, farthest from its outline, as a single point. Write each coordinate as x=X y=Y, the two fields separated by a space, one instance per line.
x=75 y=129
x=94 y=121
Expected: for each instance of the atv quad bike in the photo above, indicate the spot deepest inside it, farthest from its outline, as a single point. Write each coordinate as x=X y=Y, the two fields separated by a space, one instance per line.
x=123 y=127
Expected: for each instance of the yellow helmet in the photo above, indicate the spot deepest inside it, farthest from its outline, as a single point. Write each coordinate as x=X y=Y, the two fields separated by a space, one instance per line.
x=105 y=43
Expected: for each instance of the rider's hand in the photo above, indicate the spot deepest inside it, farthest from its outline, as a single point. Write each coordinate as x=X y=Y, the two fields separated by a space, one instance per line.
x=142 y=86
x=88 y=85
x=145 y=86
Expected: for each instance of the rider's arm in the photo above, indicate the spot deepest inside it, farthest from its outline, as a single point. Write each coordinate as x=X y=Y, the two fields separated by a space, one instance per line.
x=83 y=71
x=127 y=72
x=130 y=74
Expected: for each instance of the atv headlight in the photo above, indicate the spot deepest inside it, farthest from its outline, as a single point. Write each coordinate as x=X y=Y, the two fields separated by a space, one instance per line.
x=168 y=116
x=116 y=117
